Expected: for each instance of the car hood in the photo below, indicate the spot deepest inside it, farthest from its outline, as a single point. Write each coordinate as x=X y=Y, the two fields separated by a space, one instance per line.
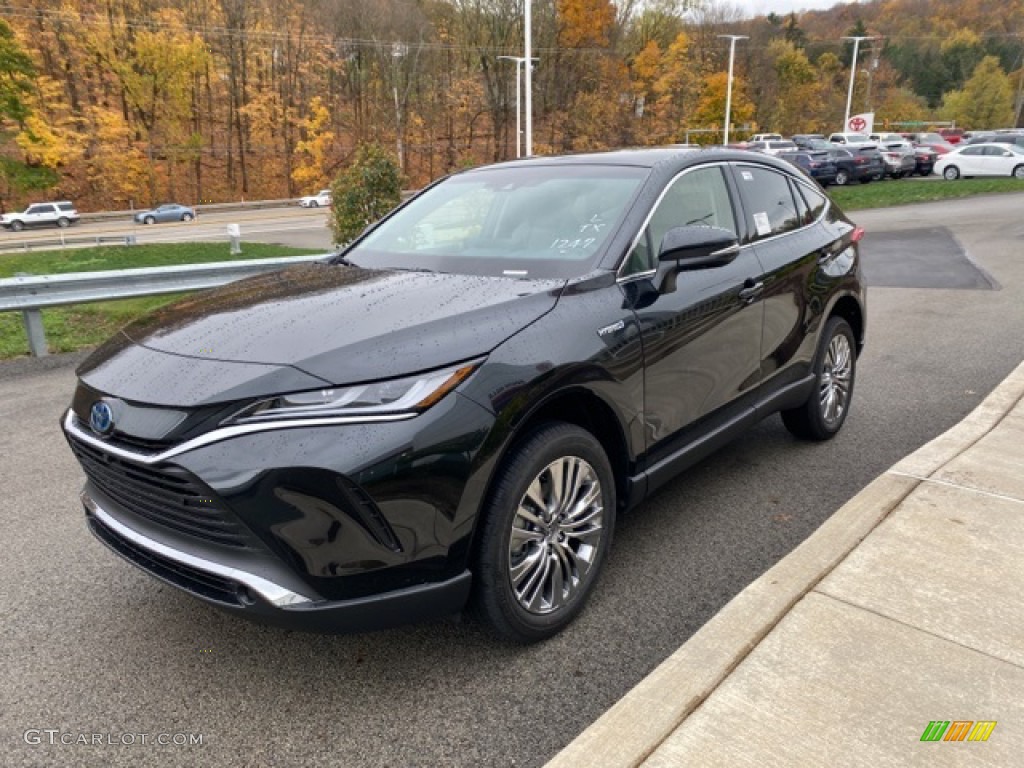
x=311 y=325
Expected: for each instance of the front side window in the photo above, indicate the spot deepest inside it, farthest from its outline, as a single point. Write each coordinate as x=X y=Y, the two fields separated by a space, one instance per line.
x=768 y=201
x=39 y=209
x=697 y=198
x=538 y=221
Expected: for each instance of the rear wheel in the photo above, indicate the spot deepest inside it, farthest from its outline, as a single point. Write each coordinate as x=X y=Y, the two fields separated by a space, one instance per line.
x=62 y=222
x=1018 y=172
x=546 y=531
x=952 y=173
x=824 y=412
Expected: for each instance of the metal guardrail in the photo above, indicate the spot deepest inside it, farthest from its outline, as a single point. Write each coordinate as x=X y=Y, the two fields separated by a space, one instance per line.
x=31 y=293
x=243 y=205
x=61 y=242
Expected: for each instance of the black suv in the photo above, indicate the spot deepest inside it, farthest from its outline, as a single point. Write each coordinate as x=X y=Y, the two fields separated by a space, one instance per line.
x=454 y=410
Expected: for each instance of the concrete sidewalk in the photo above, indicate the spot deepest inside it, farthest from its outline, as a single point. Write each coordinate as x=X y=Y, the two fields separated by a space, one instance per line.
x=906 y=607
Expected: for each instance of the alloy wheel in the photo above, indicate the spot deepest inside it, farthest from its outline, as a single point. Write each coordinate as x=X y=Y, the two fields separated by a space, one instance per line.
x=836 y=375
x=556 y=535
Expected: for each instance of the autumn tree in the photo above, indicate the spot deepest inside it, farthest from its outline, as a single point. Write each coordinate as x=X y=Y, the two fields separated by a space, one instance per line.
x=16 y=74
x=797 y=102
x=314 y=150
x=986 y=100
x=710 y=109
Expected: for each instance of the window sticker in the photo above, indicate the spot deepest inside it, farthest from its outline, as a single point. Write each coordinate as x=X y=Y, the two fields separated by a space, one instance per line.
x=747 y=175
x=762 y=224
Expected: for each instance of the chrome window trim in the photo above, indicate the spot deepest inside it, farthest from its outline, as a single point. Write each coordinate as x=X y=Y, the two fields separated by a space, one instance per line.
x=222 y=433
x=273 y=593
x=620 y=278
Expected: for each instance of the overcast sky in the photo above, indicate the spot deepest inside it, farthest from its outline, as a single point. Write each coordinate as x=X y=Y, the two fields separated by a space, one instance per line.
x=782 y=7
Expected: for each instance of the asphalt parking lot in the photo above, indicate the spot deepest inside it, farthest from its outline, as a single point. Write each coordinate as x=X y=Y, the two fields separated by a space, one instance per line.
x=92 y=646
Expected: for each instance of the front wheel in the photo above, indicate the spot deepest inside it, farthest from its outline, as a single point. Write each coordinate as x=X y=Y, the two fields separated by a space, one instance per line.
x=187 y=217
x=824 y=412
x=314 y=204
x=952 y=173
x=545 y=534
x=842 y=178
x=17 y=226
x=149 y=220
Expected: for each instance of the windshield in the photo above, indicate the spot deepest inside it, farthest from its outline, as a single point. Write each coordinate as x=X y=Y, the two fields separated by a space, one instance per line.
x=534 y=221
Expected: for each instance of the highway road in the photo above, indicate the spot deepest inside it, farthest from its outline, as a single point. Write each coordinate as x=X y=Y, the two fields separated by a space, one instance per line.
x=291 y=225
x=89 y=645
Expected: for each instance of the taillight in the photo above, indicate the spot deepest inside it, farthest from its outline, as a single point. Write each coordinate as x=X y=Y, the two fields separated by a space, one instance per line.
x=858 y=233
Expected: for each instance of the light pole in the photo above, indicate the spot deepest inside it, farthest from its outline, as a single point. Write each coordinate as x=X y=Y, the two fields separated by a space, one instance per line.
x=518 y=90
x=528 y=56
x=398 y=51
x=520 y=62
x=728 y=88
x=853 y=74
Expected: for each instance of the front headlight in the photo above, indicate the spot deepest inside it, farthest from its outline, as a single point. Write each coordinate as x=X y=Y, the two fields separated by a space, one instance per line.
x=408 y=395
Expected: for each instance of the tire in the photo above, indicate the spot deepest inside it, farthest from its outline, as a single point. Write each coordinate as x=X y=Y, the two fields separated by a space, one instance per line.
x=17 y=226
x=951 y=173
x=187 y=217
x=867 y=180
x=63 y=223
x=842 y=178
x=149 y=220
x=835 y=369
x=314 y=204
x=1018 y=172
x=538 y=558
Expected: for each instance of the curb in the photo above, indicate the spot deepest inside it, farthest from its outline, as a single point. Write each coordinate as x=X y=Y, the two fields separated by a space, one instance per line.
x=637 y=724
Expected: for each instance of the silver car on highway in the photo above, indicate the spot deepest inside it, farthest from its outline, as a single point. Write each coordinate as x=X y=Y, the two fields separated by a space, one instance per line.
x=166 y=212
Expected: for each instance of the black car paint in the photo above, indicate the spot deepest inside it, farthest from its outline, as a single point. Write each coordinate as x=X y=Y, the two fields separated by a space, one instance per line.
x=594 y=349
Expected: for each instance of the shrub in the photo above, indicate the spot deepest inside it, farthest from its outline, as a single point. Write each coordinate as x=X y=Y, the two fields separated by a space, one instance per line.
x=364 y=192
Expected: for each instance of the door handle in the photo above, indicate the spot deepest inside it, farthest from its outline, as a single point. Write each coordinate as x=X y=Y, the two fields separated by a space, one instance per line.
x=751 y=290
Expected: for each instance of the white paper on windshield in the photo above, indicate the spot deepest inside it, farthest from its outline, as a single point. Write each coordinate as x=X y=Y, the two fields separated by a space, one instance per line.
x=762 y=224
x=747 y=175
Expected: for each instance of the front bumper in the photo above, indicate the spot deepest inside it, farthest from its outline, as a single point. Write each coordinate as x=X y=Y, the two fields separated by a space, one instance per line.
x=327 y=527
x=256 y=597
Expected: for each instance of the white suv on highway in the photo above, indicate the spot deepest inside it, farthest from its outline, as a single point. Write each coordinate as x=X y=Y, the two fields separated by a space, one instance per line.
x=321 y=198
x=62 y=214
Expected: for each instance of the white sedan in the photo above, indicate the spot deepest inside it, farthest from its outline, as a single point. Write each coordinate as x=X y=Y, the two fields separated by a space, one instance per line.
x=321 y=198
x=982 y=160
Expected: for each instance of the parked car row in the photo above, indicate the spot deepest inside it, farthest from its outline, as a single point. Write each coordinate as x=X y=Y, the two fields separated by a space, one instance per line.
x=844 y=158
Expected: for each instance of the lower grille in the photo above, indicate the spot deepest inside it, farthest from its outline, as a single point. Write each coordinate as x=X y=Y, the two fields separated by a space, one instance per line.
x=201 y=583
x=167 y=496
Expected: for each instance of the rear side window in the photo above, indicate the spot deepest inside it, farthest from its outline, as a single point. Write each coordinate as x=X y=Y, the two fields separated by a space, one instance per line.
x=768 y=202
x=66 y=206
x=815 y=202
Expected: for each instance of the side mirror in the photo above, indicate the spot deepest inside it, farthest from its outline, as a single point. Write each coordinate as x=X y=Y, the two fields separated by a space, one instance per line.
x=698 y=247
